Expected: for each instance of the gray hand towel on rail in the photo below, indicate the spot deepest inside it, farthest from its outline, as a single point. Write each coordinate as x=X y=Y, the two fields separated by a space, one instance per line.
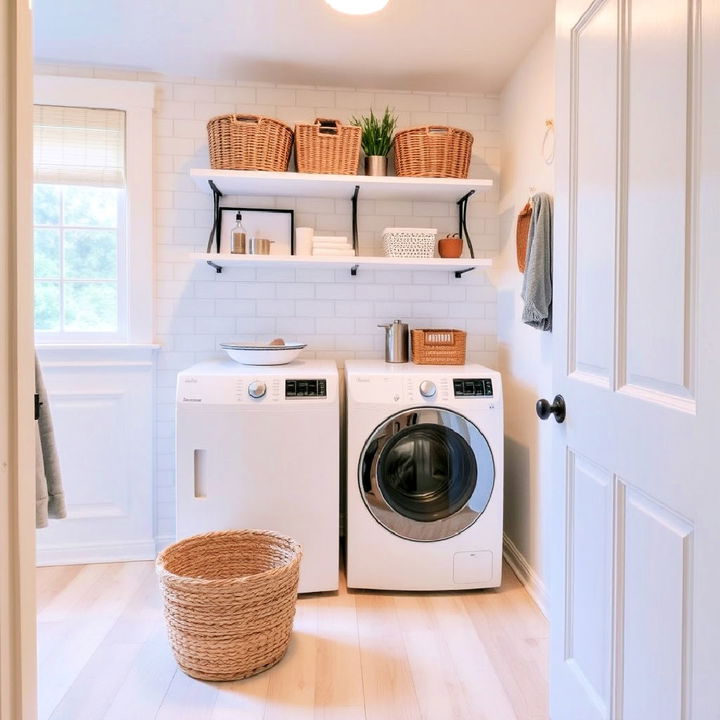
x=537 y=283
x=49 y=496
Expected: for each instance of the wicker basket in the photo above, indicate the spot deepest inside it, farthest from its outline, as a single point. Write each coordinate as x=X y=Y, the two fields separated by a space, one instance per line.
x=438 y=347
x=327 y=146
x=433 y=151
x=229 y=601
x=249 y=142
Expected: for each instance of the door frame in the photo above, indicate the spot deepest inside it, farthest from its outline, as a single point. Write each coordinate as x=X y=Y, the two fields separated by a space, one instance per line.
x=18 y=675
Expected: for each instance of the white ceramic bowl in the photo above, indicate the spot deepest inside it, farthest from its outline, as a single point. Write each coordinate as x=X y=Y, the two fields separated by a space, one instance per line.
x=261 y=353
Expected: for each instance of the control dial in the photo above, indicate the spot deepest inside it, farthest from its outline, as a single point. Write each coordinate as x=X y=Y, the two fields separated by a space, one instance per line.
x=427 y=389
x=257 y=389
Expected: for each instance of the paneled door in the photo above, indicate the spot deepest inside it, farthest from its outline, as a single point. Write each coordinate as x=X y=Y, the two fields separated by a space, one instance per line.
x=636 y=577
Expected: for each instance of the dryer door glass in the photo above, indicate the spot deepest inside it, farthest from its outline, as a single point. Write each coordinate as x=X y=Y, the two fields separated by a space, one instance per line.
x=426 y=474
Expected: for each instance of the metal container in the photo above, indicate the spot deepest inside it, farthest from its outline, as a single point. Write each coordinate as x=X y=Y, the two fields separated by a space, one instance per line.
x=376 y=165
x=258 y=246
x=396 y=341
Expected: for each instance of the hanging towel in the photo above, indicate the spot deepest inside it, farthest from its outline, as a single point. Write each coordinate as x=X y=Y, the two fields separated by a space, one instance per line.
x=537 y=283
x=49 y=496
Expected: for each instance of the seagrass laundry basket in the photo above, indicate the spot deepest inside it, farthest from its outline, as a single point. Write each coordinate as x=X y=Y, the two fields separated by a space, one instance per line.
x=433 y=151
x=438 y=347
x=327 y=146
x=229 y=601
x=249 y=142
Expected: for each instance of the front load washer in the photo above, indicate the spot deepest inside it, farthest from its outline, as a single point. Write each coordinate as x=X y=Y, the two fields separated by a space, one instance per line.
x=258 y=448
x=425 y=476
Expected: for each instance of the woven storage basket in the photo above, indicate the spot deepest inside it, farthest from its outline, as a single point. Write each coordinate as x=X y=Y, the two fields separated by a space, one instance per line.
x=229 y=601
x=433 y=151
x=249 y=142
x=409 y=242
x=438 y=347
x=327 y=146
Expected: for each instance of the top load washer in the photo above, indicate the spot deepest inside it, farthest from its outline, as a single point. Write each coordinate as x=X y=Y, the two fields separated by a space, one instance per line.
x=424 y=476
x=258 y=448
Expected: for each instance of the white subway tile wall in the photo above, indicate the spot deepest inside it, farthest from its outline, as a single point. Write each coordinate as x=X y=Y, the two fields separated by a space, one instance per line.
x=336 y=314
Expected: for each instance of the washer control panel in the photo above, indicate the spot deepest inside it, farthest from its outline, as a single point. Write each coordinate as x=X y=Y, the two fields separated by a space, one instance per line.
x=310 y=388
x=472 y=387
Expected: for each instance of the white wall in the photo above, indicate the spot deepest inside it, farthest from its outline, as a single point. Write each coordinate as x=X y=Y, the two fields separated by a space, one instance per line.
x=524 y=354
x=334 y=313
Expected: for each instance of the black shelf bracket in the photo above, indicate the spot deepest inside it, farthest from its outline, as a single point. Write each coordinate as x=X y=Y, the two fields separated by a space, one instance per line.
x=353 y=270
x=462 y=222
x=354 y=219
x=460 y=273
x=215 y=232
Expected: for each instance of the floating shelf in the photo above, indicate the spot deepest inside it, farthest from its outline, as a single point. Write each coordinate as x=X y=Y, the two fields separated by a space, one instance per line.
x=458 y=266
x=293 y=184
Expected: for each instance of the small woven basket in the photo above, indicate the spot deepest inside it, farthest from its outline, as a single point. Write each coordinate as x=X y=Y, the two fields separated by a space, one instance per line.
x=229 y=601
x=433 y=151
x=327 y=146
x=438 y=347
x=249 y=142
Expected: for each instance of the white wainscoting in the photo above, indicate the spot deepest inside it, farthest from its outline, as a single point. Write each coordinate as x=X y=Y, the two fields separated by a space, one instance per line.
x=102 y=400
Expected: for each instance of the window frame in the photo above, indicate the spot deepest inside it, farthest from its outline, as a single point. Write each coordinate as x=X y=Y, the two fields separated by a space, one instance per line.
x=135 y=269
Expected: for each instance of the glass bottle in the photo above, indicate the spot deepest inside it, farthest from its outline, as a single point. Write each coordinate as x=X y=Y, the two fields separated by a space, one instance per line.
x=238 y=237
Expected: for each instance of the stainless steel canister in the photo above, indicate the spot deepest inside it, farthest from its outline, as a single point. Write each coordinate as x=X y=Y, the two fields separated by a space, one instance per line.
x=396 y=342
x=258 y=246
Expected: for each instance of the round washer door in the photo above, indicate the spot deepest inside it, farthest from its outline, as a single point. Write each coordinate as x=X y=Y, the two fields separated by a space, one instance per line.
x=426 y=474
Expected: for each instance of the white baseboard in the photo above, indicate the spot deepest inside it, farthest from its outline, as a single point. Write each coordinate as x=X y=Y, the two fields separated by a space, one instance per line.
x=527 y=576
x=101 y=553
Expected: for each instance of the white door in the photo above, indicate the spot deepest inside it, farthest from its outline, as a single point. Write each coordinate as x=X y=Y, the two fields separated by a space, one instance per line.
x=635 y=610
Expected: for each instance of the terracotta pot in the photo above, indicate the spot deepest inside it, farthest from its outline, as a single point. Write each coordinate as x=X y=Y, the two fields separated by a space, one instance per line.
x=451 y=246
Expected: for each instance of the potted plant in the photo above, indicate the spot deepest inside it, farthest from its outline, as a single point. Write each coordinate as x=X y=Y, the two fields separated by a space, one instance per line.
x=377 y=135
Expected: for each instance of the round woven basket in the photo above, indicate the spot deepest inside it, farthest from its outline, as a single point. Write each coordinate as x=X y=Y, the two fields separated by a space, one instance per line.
x=433 y=151
x=229 y=601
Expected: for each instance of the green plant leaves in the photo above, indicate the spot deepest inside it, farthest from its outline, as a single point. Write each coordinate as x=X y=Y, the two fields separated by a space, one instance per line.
x=377 y=132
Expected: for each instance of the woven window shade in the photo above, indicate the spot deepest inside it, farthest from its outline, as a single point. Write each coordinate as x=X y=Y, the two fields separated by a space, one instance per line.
x=79 y=146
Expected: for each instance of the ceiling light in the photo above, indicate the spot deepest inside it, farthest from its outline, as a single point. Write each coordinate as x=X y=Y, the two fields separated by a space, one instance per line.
x=357 y=7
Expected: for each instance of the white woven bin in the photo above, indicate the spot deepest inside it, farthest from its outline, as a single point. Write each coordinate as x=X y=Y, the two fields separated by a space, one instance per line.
x=409 y=242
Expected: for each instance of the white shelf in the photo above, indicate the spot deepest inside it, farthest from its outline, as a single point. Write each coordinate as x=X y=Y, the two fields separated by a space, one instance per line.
x=342 y=263
x=293 y=184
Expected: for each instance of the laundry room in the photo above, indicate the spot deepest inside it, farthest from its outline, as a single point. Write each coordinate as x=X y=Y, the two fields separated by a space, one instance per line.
x=315 y=287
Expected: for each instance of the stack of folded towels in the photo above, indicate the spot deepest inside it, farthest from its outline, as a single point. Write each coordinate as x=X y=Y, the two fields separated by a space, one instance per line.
x=332 y=245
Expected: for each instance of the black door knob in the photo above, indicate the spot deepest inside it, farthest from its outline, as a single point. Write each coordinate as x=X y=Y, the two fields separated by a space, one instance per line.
x=544 y=409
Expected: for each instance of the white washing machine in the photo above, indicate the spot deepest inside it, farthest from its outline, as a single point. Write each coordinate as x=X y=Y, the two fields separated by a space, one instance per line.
x=258 y=447
x=425 y=476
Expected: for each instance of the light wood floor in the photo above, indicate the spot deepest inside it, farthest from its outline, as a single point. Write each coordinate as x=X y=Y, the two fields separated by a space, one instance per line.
x=354 y=655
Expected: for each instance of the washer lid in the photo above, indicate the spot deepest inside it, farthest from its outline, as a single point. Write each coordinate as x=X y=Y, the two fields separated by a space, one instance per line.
x=426 y=473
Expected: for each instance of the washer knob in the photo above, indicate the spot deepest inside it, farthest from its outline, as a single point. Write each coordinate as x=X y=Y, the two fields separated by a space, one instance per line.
x=427 y=389
x=257 y=389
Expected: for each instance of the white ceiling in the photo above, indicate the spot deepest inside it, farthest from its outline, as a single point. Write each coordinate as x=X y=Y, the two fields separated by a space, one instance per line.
x=442 y=45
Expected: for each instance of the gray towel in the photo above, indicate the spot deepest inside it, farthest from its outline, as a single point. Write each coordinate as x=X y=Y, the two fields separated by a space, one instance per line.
x=537 y=284
x=49 y=497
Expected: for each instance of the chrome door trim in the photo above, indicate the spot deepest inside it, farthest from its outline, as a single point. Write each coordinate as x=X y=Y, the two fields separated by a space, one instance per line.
x=390 y=518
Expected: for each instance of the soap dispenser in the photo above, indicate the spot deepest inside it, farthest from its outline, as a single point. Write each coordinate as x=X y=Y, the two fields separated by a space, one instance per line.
x=396 y=341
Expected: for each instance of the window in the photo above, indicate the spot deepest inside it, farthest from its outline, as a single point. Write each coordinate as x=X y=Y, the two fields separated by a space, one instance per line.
x=79 y=207
x=92 y=214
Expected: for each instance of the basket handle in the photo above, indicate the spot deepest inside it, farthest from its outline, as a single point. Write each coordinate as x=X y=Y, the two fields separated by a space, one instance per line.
x=327 y=126
x=437 y=130
x=253 y=119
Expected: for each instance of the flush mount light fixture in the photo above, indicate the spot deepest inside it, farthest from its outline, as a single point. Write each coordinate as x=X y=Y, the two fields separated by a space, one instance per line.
x=357 y=7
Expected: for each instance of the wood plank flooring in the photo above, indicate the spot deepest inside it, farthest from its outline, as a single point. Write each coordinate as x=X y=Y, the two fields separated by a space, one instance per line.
x=354 y=655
